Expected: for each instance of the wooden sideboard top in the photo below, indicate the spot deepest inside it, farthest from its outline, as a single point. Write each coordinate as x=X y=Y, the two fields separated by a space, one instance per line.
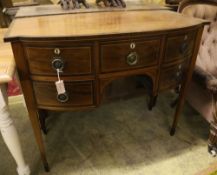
x=97 y=24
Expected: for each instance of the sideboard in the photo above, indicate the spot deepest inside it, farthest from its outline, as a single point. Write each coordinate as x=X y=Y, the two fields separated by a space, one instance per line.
x=91 y=50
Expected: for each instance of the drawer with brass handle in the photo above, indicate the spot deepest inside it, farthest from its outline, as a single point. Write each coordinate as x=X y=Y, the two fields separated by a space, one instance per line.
x=132 y=59
x=125 y=55
x=78 y=93
x=70 y=60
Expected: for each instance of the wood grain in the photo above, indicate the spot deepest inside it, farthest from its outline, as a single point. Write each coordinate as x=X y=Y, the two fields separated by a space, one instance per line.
x=77 y=60
x=98 y=24
x=79 y=93
x=147 y=51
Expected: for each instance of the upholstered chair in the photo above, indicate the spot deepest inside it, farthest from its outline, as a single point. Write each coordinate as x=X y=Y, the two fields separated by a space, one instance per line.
x=202 y=93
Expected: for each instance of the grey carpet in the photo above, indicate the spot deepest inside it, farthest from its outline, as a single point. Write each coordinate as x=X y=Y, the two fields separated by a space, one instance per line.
x=118 y=138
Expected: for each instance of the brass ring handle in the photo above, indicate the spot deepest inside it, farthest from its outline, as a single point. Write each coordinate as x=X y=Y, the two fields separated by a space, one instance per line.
x=57 y=63
x=132 y=59
x=63 y=98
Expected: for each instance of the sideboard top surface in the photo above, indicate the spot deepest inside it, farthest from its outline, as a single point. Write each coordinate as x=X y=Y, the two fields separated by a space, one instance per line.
x=97 y=24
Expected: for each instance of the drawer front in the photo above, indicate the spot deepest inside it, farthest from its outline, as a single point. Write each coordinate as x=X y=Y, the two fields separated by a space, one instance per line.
x=172 y=76
x=78 y=94
x=127 y=55
x=178 y=47
x=72 y=60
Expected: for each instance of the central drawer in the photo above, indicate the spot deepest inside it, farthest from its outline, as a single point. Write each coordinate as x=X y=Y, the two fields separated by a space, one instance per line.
x=125 y=55
x=79 y=93
x=74 y=60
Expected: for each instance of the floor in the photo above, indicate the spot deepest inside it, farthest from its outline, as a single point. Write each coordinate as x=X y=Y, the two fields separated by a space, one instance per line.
x=118 y=138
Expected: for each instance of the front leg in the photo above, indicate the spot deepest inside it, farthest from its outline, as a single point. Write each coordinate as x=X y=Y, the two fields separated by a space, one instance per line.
x=10 y=135
x=42 y=115
x=152 y=99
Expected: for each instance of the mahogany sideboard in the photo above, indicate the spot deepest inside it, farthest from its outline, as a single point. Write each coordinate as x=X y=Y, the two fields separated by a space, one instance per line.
x=93 y=49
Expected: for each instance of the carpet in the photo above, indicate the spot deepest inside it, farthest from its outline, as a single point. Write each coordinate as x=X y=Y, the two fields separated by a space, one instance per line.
x=118 y=138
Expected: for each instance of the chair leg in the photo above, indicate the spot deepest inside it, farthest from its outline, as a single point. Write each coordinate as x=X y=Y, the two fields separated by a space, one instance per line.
x=10 y=135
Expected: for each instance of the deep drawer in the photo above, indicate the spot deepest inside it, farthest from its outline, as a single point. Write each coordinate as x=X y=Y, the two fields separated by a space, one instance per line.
x=125 y=55
x=179 y=47
x=78 y=93
x=75 y=60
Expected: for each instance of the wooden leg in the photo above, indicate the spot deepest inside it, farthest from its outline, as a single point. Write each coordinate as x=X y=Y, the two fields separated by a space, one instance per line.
x=34 y=115
x=186 y=82
x=146 y=82
x=10 y=135
x=42 y=118
x=29 y=97
x=152 y=101
x=34 y=118
x=180 y=104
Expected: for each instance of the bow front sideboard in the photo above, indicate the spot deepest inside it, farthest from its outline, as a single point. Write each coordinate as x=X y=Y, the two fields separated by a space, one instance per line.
x=92 y=49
